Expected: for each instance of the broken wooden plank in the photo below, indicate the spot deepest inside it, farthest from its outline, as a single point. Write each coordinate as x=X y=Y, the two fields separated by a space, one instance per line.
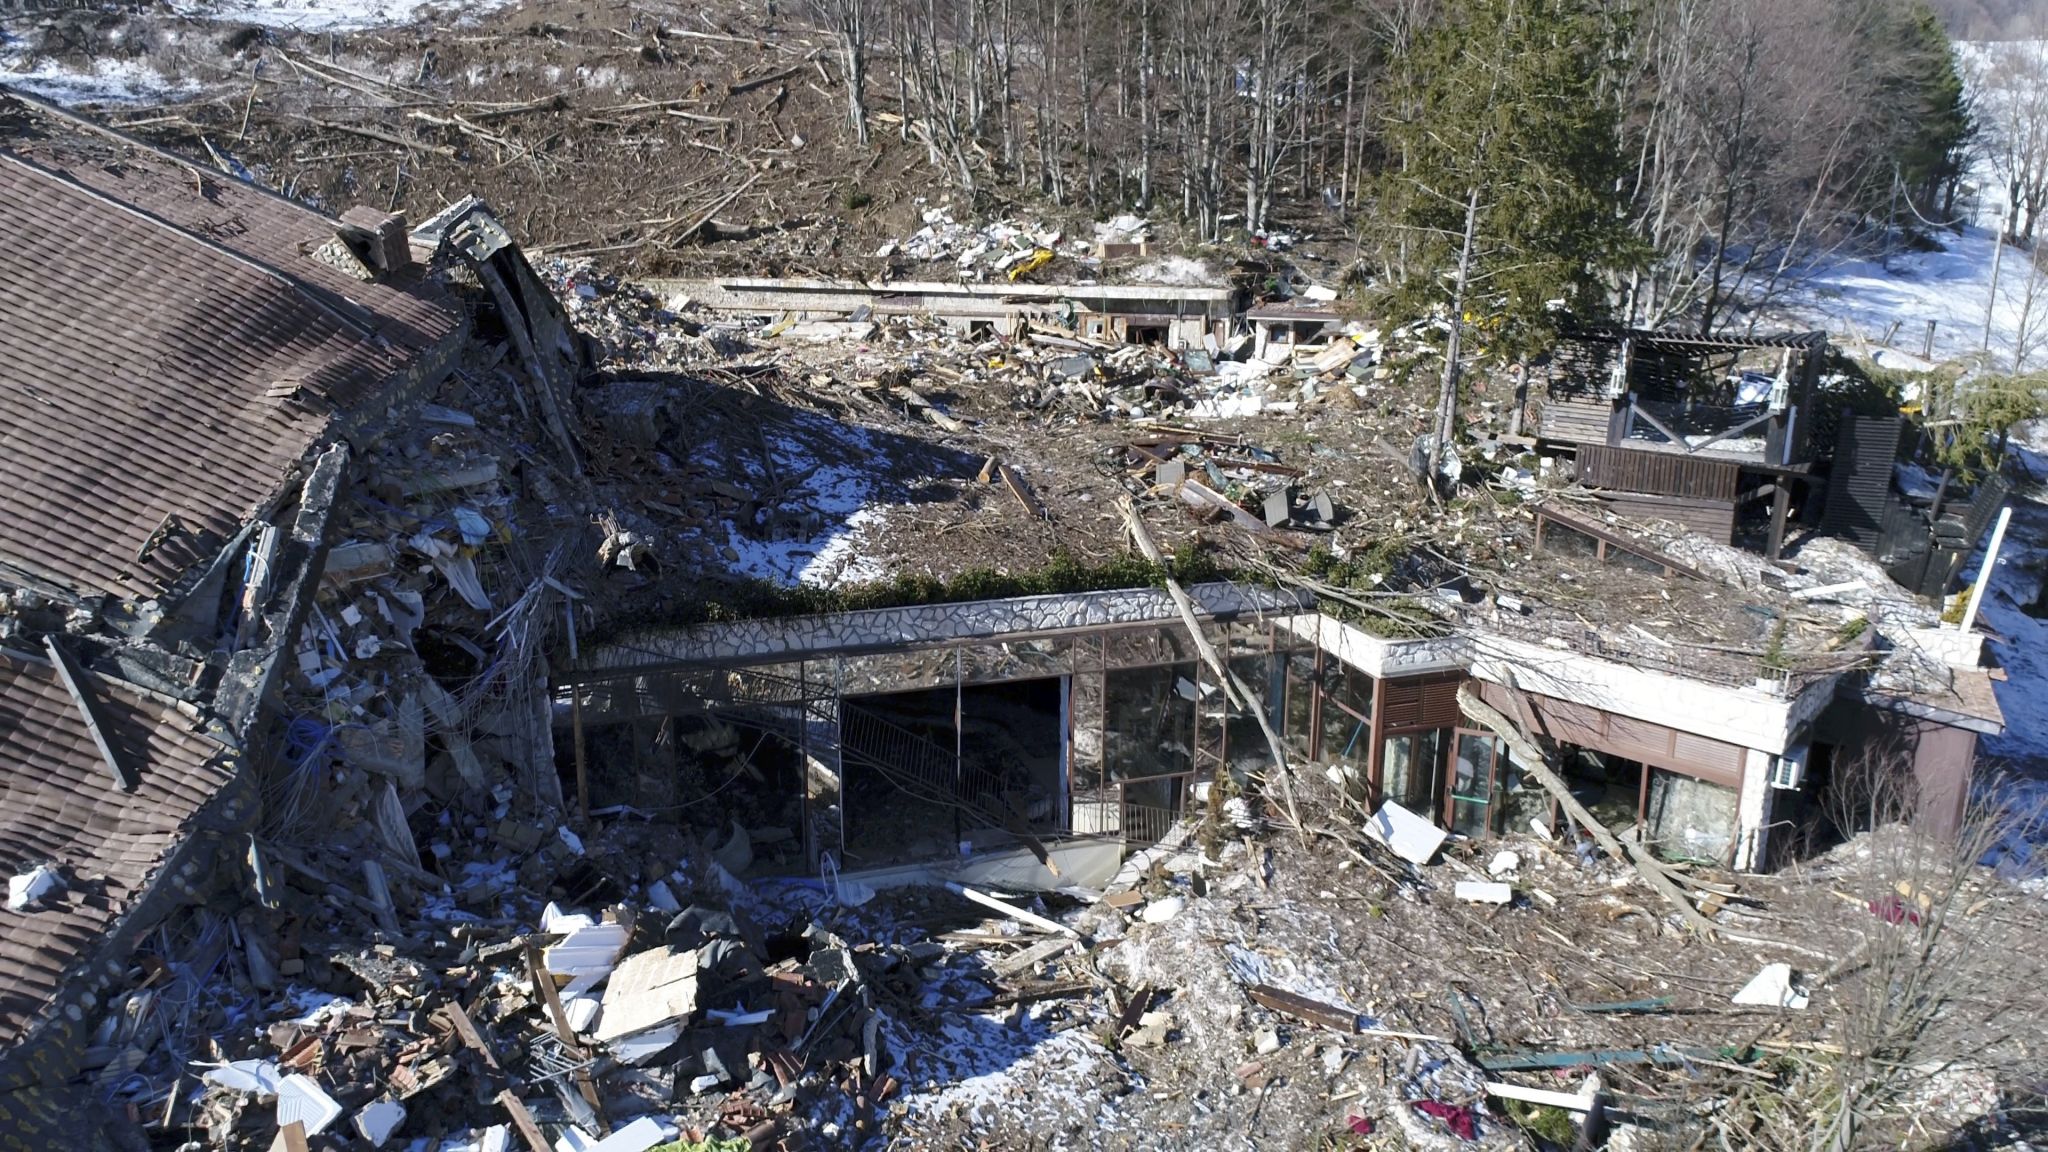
x=290 y=1138
x=1134 y=1010
x=544 y=987
x=1009 y=909
x=471 y=1035
x=1030 y=992
x=1031 y=957
x=1570 y=1101
x=1017 y=487
x=1300 y=1007
x=523 y=1121
x=73 y=679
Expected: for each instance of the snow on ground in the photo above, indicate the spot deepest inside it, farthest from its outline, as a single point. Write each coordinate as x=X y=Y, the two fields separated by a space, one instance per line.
x=107 y=81
x=138 y=79
x=838 y=498
x=324 y=15
x=1857 y=300
x=2016 y=585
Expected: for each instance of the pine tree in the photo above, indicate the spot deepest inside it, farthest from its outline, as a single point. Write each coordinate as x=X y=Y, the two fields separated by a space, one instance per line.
x=1923 y=92
x=1504 y=203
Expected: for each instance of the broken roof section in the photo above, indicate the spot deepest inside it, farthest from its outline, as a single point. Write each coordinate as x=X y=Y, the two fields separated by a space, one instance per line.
x=169 y=348
x=62 y=808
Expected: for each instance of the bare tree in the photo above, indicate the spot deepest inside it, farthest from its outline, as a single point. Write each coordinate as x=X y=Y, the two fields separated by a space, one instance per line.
x=2012 y=106
x=848 y=22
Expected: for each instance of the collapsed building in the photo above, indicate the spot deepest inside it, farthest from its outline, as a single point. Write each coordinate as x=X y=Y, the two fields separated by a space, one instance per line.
x=195 y=370
x=301 y=518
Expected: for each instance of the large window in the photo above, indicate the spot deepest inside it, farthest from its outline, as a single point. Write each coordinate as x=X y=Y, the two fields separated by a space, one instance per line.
x=1690 y=819
x=1410 y=765
x=1148 y=721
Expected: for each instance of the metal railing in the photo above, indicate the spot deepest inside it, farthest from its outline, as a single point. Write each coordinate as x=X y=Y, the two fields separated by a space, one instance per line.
x=924 y=768
x=1135 y=825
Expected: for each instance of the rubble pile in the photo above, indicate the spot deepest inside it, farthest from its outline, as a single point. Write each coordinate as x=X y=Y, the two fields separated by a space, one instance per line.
x=625 y=1030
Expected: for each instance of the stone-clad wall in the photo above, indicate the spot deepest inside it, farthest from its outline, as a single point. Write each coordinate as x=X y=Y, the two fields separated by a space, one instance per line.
x=784 y=637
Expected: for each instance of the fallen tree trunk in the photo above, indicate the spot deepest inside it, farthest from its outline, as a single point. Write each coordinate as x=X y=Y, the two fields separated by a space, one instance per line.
x=1234 y=690
x=1537 y=764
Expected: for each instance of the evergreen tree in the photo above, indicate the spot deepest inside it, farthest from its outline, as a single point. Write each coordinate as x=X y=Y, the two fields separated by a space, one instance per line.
x=1505 y=173
x=1922 y=91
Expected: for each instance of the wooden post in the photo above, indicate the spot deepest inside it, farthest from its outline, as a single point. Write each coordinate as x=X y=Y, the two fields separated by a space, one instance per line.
x=1781 y=507
x=523 y=1121
x=576 y=721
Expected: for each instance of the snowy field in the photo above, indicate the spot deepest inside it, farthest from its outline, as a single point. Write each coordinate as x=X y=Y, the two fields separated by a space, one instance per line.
x=137 y=77
x=1859 y=300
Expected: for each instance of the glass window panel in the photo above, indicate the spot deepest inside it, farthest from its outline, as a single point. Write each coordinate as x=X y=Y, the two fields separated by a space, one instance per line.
x=1409 y=767
x=1346 y=686
x=1300 y=708
x=1017 y=659
x=874 y=672
x=1149 y=721
x=1346 y=738
x=1472 y=784
x=1151 y=644
x=1525 y=805
x=1245 y=741
x=1690 y=819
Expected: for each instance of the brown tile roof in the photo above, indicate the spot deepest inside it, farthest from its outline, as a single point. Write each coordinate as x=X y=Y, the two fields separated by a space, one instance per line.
x=59 y=804
x=150 y=310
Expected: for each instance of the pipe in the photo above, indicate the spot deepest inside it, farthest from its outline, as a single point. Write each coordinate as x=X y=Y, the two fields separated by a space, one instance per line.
x=1984 y=570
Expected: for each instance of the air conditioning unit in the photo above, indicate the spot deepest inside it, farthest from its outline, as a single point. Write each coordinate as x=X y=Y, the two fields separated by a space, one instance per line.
x=1789 y=771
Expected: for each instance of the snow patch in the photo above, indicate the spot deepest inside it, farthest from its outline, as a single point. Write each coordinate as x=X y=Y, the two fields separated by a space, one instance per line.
x=105 y=81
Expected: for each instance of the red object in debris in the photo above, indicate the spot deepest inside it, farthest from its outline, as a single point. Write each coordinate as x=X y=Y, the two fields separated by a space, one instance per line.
x=1462 y=1123
x=1362 y=1125
x=1893 y=910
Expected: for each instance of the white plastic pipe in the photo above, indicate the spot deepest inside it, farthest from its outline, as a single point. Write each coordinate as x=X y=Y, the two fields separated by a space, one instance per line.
x=1990 y=562
x=1009 y=909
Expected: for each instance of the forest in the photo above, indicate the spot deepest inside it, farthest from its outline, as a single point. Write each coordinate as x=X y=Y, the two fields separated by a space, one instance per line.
x=1668 y=162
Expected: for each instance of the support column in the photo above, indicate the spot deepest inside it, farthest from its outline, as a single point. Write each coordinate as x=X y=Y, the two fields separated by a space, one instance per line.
x=1753 y=812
